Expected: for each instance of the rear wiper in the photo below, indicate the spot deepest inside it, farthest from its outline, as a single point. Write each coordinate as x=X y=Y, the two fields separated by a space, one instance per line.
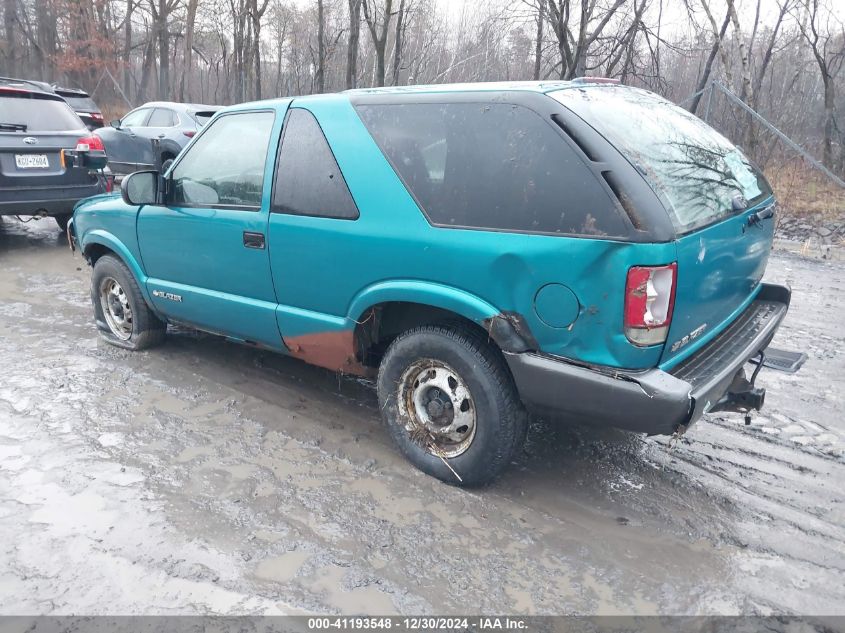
x=15 y=127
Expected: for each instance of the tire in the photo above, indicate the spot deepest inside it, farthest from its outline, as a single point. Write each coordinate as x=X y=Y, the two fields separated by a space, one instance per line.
x=444 y=366
x=62 y=220
x=113 y=290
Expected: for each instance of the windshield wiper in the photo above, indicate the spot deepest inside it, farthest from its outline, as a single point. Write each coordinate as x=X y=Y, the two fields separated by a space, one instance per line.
x=15 y=127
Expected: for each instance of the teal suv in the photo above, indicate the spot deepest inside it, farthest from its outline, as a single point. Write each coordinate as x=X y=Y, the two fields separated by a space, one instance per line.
x=581 y=249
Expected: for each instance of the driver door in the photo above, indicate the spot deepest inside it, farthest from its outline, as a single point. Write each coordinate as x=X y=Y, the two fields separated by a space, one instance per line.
x=128 y=150
x=205 y=250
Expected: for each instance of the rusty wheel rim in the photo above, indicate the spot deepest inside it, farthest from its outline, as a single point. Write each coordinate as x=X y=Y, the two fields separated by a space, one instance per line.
x=437 y=407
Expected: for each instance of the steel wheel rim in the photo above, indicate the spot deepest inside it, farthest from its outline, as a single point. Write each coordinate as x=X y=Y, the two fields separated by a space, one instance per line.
x=116 y=308
x=437 y=407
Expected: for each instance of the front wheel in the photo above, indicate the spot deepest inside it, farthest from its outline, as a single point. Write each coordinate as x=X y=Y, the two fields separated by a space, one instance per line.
x=120 y=309
x=450 y=404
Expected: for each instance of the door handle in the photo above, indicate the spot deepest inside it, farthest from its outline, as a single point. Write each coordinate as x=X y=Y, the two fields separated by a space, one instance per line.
x=253 y=240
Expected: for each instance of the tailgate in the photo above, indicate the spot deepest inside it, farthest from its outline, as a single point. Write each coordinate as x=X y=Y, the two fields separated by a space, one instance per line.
x=37 y=164
x=719 y=272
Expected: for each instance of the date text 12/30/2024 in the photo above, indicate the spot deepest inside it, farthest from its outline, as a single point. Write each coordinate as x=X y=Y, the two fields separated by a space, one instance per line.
x=417 y=623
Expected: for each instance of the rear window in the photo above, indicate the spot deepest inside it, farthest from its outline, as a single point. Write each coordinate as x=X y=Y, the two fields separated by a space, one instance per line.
x=202 y=117
x=698 y=170
x=38 y=114
x=491 y=165
x=84 y=104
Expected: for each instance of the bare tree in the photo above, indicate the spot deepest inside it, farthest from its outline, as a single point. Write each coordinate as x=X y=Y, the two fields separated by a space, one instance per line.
x=161 y=10
x=378 y=22
x=352 y=44
x=576 y=34
x=824 y=34
x=321 y=47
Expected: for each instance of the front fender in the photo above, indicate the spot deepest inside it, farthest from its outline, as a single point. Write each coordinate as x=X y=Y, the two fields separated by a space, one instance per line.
x=427 y=293
x=111 y=242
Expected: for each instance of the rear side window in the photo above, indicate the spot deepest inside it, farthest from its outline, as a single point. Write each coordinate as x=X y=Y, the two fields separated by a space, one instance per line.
x=202 y=117
x=308 y=180
x=30 y=113
x=162 y=117
x=493 y=166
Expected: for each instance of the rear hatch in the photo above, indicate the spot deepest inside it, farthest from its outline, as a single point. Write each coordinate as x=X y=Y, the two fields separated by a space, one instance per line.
x=715 y=196
x=34 y=128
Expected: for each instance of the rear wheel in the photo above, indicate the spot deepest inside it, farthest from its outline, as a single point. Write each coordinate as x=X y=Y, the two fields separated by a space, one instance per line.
x=450 y=404
x=62 y=220
x=122 y=314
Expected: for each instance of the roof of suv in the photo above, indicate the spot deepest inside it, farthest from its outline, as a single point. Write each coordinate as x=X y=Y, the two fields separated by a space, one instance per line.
x=26 y=85
x=181 y=107
x=488 y=86
x=536 y=87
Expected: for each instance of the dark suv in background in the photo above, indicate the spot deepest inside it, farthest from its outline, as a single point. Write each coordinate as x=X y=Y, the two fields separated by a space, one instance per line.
x=83 y=105
x=36 y=125
x=79 y=100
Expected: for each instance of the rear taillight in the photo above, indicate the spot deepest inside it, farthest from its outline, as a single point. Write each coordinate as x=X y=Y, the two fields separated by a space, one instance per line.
x=90 y=144
x=649 y=300
x=189 y=133
x=96 y=116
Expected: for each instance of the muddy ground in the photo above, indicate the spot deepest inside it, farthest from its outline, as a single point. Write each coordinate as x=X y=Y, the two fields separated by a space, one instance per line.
x=205 y=477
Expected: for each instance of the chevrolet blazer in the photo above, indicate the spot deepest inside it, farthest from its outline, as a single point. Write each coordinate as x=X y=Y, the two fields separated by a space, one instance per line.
x=580 y=249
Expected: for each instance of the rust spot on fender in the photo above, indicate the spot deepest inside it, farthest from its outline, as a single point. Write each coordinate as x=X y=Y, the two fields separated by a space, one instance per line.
x=332 y=350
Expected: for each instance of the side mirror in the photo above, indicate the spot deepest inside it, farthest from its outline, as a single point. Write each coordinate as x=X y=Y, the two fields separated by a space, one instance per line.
x=166 y=165
x=115 y=123
x=140 y=188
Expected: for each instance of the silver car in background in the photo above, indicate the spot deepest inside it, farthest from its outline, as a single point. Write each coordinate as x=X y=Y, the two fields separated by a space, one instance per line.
x=151 y=134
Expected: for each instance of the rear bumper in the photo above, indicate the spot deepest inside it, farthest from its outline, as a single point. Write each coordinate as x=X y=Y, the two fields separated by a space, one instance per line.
x=654 y=401
x=61 y=200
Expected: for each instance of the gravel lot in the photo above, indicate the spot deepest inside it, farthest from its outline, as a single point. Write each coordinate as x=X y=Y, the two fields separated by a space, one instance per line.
x=205 y=477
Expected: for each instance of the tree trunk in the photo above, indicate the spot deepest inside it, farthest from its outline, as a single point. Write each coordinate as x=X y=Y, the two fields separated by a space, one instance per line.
x=538 y=45
x=190 y=19
x=379 y=36
x=829 y=122
x=9 y=18
x=397 y=42
x=321 y=48
x=257 y=14
x=127 y=48
x=708 y=66
x=163 y=52
x=352 y=46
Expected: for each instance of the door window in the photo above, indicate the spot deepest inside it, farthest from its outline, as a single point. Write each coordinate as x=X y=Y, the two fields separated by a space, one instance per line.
x=162 y=117
x=225 y=165
x=308 y=179
x=135 y=118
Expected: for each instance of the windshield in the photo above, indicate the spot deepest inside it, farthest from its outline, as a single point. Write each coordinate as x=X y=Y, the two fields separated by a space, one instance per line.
x=37 y=114
x=699 y=172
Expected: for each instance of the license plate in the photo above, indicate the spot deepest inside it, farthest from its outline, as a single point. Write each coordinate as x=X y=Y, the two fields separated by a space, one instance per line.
x=31 y=161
